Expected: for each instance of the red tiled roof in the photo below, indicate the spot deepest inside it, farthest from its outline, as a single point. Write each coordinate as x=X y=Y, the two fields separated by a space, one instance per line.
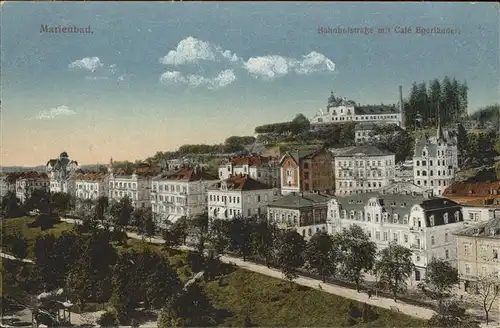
x=473 y=189
x=243 y=183
x=186 y=174
x=91 y=176
x=30 y=175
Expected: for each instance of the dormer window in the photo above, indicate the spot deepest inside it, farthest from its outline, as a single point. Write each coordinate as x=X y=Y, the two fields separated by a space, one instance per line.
x=431 y=219
x=445 y=218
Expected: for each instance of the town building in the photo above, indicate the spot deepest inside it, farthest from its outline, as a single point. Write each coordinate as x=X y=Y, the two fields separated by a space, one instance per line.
x=263 y=169
x=435 y=160
x=180 y=193
x=341 y=110
x=424 y=225
x=307 y=171
x=27 y=182
x=404 y=172
x=59 y=170
x=136 y=185
x=91 y=185
x=364 y=133
x=405 y=188
x=239 y=196
x=363 y=169
x=478 y=251
x=306 y=213
x=8 y=183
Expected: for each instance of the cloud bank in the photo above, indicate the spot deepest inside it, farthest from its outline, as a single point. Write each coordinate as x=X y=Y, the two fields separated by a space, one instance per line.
x=54 y=112
x=87 y=63
x=223 y=79
x=194 y=51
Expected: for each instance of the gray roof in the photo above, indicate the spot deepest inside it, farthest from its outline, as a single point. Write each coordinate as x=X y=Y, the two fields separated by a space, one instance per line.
x=393 y=204
x=300 y=200
x=337 y=151
x=366 y=150
x=487 y=229
x=376 y=109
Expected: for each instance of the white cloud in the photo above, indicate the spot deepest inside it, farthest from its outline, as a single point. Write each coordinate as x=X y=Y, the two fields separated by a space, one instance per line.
x=96 y=78
x=269 y=67
x=192 y=50
x=88 y=63
x=53 y=112
x=113 y=69
x=223 y=79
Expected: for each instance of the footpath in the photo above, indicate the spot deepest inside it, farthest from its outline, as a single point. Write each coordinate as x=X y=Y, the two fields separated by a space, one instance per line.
x=386 y=303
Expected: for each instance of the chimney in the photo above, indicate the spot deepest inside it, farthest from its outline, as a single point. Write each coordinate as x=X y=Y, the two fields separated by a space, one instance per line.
x=401 y=106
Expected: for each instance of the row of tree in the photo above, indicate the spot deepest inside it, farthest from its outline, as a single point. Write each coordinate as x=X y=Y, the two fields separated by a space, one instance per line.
x=476 y=149
x=298 y=125
x=446 y=99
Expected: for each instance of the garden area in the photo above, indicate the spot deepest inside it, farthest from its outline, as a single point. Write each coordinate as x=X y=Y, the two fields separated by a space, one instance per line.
x=144 y=278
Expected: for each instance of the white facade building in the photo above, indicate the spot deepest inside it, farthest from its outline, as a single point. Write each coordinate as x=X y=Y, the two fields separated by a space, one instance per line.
x=307 y=213
x=180 y=193
x=239 y=196
x=363 y=169
x=263 y=169
x=59 y=171
x=425 y=226
x=341 y=110
x=27 y=182
x=137 y=186
x=435 y=161
x=91 y=185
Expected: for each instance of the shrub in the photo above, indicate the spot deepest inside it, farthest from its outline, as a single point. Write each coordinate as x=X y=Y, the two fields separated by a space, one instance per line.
x=107 y=319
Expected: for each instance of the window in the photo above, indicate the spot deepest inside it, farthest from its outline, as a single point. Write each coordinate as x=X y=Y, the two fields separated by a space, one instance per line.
x=446 y=237
x=445 y=218
x=467 y=268
x=395 y=237
x=433 y=240
x=385 y=235
x=467 y=250
x=306 y=165
x=431 y=219
x=258 y=198
x=377 y=235
x=406 y=238
x=495 y=254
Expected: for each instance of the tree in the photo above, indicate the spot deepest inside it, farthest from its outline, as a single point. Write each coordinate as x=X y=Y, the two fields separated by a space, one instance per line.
x=439 y=279
x=219 y=235
x=19 y=245
x=322 y=254
x=11 y=205
x=61 y=202
x=300 y=124
x=488 y=291
x=101 y=208
x=452 y=316
x=462 y=144
x=395 y=267
x=290 y=257
x=236 y=143
x=263 y=238
x=239 y=236
x=121 y=212
x=199 y=224
x=189 y=308
x=358 y=254
x=39 y=199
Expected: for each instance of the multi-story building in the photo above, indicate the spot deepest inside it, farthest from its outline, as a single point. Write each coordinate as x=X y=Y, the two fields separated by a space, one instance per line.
x=180 y=193
x=137 y=185
x=435 y=161
x=405 y=188
x=59 y=171
x=306 y=213
x=239 y=196
x=363 y=169
x=8 y=183
x=478 y=251
x=404 y=172
x=307 y=171
x=424 y=225
x=263 y=169
x=91 y=185
x=364 y=133
x=27 y=182
x=341 y=110
x=474 y=193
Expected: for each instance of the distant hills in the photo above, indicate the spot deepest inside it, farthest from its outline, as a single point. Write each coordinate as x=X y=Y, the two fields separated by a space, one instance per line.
x=40 y=168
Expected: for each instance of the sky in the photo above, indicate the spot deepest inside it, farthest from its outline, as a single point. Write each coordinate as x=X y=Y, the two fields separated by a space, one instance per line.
x=153 y=76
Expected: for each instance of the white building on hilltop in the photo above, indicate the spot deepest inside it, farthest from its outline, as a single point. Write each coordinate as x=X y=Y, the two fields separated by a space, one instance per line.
x=341 y=110
x=239 y=196
x=362 y=169
x=426 y=226
x=180 y=193
x=435 y=161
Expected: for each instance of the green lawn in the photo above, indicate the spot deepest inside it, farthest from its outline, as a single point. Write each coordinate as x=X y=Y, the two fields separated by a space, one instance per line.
x=11 y=226
x=267 y=301
x=271 y=302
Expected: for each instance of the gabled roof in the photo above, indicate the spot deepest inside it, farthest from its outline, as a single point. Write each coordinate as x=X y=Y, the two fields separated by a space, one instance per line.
x=375 y=109
x=298 y=155
x=366 y=150
x=241 y=183
x=473 y=189
x=487 y=229
x=437 y=203
x=31 y=175
x=300 y=200
x=91 y=176
x=185 y=174
x=252 y=160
